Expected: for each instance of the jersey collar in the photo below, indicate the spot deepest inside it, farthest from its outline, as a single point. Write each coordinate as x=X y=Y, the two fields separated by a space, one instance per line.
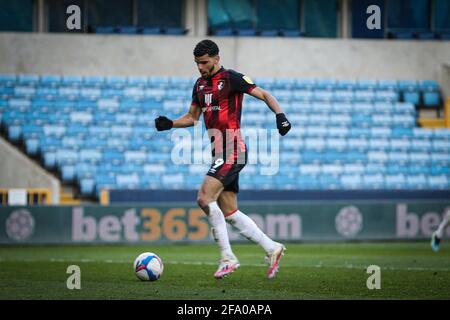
x=218 y=71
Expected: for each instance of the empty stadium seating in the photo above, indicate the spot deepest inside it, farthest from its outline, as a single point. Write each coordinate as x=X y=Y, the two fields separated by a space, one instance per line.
x=98 y=132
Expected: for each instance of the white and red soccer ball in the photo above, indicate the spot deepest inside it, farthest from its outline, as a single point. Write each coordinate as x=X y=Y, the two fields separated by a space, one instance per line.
x=148 y=266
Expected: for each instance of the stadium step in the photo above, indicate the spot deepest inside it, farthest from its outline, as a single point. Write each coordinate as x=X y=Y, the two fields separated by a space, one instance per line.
x=66 y=196
x=68 y=199
x=432 y=123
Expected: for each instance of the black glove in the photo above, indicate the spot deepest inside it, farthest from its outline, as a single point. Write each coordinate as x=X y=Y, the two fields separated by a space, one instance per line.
x=163 y=123
x=283 y=124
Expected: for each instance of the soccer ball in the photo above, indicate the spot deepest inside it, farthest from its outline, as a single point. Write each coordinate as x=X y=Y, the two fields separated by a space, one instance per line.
x=148 y=266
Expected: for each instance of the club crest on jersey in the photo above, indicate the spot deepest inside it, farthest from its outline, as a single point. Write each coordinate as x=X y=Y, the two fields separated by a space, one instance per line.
x=220 y=85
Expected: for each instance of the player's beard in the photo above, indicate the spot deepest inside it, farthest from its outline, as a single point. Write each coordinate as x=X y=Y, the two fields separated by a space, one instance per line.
x=209 y=74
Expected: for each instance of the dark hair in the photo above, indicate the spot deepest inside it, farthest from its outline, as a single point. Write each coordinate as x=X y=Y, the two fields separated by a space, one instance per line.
x=206 y=47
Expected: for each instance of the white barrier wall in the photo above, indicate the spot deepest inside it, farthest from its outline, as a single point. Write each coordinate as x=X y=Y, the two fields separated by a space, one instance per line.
x=18 y=171
x=172 y=55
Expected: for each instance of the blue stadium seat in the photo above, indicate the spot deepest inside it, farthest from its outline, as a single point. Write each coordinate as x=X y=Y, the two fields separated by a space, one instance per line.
x=8 y=79
x=419 y=157
x=336 y=144
x=431 y=99
x=387 y=85
x=71 y=80
x=408 y=85
x=402 y=35
x=347 y=85
x=290 y=33
x=416 y=182
x=373 y=181
x=303 y=95
x=377 y=156
x=438 y=182
x=87 y=186
x=175 y=31
x=359 y=132
x=412 y=97
x=356 y=156
x=308 y=182
x=386 y=96
x=105 y=29
x=68 y=172
x=128 y=181
x=128 y=30
x=325 y=84
x=343 y=95
x=137 y=80
x=90 y=155
x=442 y=158
x=353 y=181
x=444 y=36
x=426 y=36
x=329 y=182
x=361 y=120
x=28 y=79
x=440 y=144
x=422 y=133
x=306 y=156
x=307 y=84
x=269 y=33
x=402 y=132
x=338 y=131
x=398 y=157
x=368 y=84
x=437 y=170
x=380 y=144
x=442 y=134
x=151 y=30
x=66 y=156
x=423 y=145
x=50 y=79
x=246 y=32
x=224 y=32
x=429 y=85
x=396 y=181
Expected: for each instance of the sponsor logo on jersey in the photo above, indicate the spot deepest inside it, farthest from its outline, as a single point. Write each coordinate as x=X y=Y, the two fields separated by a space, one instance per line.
x=211 y=108
x=247 y=79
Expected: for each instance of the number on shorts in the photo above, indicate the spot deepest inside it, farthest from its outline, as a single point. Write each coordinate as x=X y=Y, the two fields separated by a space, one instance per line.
x=218 y=163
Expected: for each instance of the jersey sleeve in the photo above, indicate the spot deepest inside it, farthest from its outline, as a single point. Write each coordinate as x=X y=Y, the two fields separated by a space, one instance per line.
x=241 y=83
x=195 y=100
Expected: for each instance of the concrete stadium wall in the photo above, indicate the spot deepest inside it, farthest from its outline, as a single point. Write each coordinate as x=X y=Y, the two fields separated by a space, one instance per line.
x=171 y=55
x=18 y=171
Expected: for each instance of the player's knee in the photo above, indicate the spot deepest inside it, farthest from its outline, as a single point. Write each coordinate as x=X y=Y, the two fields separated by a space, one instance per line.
x=202 y=200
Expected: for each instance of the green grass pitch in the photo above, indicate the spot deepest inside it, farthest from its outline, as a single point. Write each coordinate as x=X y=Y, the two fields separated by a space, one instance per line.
x=308 y=271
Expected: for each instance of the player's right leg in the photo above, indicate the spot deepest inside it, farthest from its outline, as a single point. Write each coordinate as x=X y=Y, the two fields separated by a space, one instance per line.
x=439 y=233
x=207 y=200
x=247 y=227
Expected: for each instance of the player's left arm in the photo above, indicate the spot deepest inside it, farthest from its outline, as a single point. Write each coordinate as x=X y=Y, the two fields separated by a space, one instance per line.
x=283 y=123
x=269 y=99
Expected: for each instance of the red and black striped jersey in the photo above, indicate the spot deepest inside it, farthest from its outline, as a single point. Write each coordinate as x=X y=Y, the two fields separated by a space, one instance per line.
x=220 y=98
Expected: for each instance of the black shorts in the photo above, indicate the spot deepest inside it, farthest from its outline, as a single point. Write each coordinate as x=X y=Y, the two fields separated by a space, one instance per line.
x=227 y=173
